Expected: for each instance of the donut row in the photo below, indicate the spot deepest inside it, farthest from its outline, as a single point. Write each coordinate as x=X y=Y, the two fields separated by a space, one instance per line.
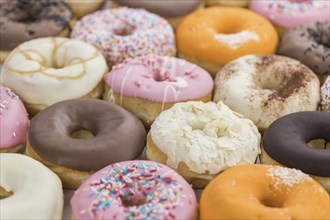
x=191 y=128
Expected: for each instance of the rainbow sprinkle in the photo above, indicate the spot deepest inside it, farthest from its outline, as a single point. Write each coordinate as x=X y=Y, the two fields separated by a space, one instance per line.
x=138 y=189
x=4 y=103
x=325 y=95
x=289 y=6
x=126 y=33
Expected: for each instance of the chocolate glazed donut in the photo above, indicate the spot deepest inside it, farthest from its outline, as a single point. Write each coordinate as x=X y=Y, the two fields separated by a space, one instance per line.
x=23 y=20
x=285 y=141
x=117 y=134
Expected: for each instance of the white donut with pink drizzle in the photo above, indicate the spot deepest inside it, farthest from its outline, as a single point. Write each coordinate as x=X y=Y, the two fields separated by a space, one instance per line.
x=135 y=190
x=14 y=121
x=291 y=13
x=159 y=80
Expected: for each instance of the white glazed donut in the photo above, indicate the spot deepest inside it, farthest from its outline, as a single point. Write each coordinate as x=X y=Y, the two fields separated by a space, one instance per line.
x=199 y=140
x=45 y=71
x=37 y=191
x=264 y=88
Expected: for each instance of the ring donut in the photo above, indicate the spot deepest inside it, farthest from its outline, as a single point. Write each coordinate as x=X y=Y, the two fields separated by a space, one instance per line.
x=285 y=141
x=54 y=138
x=28 y=189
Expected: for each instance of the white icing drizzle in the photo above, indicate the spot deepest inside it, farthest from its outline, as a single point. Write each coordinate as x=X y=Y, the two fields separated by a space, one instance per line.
x=123 y=83
x=237 y=39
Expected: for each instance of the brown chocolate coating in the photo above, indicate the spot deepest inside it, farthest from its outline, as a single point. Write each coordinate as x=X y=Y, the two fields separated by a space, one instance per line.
x=310 y=44
x=118 y=135
x=23 y=20
x=167 y=9
x=285 y=141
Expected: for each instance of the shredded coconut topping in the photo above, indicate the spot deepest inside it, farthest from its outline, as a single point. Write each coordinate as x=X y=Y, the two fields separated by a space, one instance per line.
x=237 y=39
x=286 y=177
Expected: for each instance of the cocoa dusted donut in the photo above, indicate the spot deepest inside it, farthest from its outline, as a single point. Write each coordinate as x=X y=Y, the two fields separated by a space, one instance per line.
x=75 y=138
x=310 y=44
x=286 y=142
x=23 y=20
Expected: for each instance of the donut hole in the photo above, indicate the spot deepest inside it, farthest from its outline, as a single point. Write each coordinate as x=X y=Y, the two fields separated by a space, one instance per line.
x=272 y=203
x=136 y=199
x=319 y=144
x=81 y=134
x=124 y=30
x=4 y=193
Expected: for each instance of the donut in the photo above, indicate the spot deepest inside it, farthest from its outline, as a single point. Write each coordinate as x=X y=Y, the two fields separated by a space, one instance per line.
x=310 y=44
x=199 y=140
x=135 y=190
x=28 y=189
x=260 y=191
x=14 y=122
x=235 y=3
x=286 y=141
x=286 y=14
x=266 y=87
x=217 y=35
x=123 y=33
x=51 y=70
x=325 y=95
x=150 y=84
x=173 y=11
x=81 y=8
x=77 y=137
x=22 y=21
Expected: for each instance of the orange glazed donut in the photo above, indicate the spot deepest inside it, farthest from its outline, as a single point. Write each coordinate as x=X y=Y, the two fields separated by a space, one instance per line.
x=264 y=192
x=217 y=35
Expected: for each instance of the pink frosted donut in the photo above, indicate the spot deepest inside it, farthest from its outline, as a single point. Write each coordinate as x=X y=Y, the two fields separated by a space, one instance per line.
x=14 y=121
x=126 y=33
x=291 y=13
x=134 y=190
x=148 y=85
x=325 y=95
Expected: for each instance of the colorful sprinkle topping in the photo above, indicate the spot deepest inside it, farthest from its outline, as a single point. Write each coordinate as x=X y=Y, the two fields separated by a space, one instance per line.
x=126 y=33
x=325 y=95
x=4 y=103
x=139 y=190
x=289 y=6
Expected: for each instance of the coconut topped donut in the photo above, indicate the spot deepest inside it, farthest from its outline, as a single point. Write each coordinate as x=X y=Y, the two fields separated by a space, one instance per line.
x=126 y=33
x=25 y=20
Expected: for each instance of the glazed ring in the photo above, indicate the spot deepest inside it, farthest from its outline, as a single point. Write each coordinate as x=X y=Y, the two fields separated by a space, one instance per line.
x=217 y=35
x=286 y=14
x=82 y=8
x=310 y=44
x=22 y=21
x=78 y=137
x=235 y=3
x=200 y=140
x=49 y=70
x=14 y=122
x=28 y=189
x=325 y=95
x=173 y=11
x=151 y=84
x=266 y=87
x=135 y=190
x=285 y=142
x=264 y=192
x=123 y=33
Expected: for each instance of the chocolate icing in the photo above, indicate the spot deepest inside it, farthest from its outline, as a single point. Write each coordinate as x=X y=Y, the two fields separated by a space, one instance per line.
x=163 y=8
x=285 y=141
x=309 y=44
x=118 y=135
x=23 y=20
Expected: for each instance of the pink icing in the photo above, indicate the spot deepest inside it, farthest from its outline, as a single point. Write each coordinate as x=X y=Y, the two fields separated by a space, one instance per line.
x=134 y=190
x=14 y=120
x=291 y=13
x=160 y=79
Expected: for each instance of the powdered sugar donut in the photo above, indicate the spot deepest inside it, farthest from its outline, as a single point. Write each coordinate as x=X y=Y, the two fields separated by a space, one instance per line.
x=14 y=121
x=287 y=14
x=135 y=190
x=325 y=95
x=126 y=33
x=148 y=85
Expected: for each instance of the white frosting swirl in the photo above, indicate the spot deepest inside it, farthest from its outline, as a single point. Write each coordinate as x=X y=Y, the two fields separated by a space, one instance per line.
x=207 y=137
